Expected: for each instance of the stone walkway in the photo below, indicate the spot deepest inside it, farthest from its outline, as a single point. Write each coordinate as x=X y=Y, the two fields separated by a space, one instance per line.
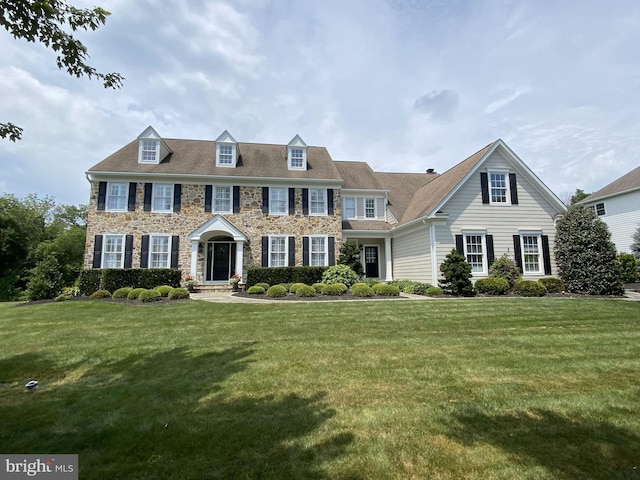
x=228 y=297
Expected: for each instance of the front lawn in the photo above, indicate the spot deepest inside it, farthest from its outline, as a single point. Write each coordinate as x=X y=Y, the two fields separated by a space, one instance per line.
x=511 y=388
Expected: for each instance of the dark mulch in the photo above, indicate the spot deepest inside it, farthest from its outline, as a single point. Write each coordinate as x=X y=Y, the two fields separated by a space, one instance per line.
x=317 y=298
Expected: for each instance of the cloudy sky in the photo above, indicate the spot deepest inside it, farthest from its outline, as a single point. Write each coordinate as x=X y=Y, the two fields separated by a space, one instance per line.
x=402 y=84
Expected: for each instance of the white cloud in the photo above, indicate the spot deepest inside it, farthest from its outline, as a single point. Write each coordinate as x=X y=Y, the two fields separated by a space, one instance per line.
x=506 y=100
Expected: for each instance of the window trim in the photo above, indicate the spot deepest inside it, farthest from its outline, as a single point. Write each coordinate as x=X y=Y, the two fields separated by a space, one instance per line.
x=538 y=236
x=153 y=236
x=507 y=188
x=285 y=239
x=214 y=198
x=344 y=208
x=483 y=243
x=144 y=143
x=153 y=197
x=594 y=209
x=325 y=211
x=108 y=196
x=303 y=158
x=325 y=242
x=219 y=154
x=375 y=208
x=105 y=238
x=285 y=200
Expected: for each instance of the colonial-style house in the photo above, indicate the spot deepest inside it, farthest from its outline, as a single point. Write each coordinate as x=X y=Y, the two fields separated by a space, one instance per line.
x=618 y=205
x=215 y=208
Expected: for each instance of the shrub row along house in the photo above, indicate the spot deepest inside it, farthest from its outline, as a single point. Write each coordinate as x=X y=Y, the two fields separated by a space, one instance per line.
x=215 y=208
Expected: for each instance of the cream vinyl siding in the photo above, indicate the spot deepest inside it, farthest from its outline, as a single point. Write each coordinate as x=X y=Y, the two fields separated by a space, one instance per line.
x=411 y=256
x=467 y=212
x=622 y=216
x=360 y=208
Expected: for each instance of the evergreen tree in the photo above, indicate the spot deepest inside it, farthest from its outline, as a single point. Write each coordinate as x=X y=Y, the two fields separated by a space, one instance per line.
x=457 y=275
x=350 y=256
x=585 y=255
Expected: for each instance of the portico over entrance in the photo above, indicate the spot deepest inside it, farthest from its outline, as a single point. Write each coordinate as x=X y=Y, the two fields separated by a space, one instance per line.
x=217 y=249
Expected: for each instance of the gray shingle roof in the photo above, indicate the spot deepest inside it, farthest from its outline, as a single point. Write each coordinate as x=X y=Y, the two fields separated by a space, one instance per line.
x=629 y=181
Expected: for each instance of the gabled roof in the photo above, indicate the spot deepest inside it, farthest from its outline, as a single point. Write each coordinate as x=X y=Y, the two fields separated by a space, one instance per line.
x=402 y=188
x=626 y=183
x=358 y=176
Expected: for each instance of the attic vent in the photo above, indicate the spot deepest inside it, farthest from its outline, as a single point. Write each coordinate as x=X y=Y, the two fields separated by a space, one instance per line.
x=430 y=170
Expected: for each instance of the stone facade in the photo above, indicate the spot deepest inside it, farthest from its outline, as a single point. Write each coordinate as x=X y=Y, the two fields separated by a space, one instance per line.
x=250 y=221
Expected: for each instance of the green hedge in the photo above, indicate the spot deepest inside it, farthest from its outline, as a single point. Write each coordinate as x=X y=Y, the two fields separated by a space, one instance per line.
x=112 y=279
x=492 y=286
x=529 y=288
x=278 y=275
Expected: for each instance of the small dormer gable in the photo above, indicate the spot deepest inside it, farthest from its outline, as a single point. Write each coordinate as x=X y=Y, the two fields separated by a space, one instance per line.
x=151 y=147
x=226 y=150
x=297 y=154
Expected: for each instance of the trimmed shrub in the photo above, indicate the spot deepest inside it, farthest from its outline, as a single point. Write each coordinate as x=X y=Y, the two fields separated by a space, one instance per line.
x=256 y=290
x=63 y=297
x=277 y=291
x=552 y=284
x=101 y=294
x=505 y=268
x=529 y=288
x=334 y=289
x=361 y=290
x=286 y=286
x=46 y=279
x=371 y=281
x=111 y=279
x=265 y=286
x=163 y=290
x=350 y=256
x=492 y=286
x=434 y=292
x=294 y=287
x=277 y=275
x=178 y=294
x=457 y=275
x=339 y=274
x=149 y=296
x=122 y=292
x=386 y=289
x=628 y=265
x=306 y=291
x=318 y=287
x=89 y=281
x=134 y=293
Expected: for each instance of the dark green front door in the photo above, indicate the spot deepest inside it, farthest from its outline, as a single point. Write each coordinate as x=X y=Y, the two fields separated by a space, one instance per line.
x=219 y=261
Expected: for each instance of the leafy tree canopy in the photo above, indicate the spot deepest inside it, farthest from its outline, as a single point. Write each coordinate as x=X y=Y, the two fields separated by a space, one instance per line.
x=578 y=196
x=52 y=23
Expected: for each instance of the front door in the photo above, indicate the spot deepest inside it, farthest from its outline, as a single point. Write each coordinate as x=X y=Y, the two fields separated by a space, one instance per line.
x=371 y=262
x=219 y=261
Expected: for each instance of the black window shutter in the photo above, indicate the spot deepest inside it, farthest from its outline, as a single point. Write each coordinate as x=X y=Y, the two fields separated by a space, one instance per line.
x=102 y=195
x=491 y=256
x=208 y=196
x=131 y=204
x=331 y=245
x=305 y=250
x=459 y=244
x=292 y=252
x=517 y=251
x=484 y=185
x=177 y=197
x=128 y=251
x=175 y=248
x=148 y=187
x=546 y=254
x=97 y=251
x=265 y=200
x=236 y=199
x=305 y=201
x=265 y=251
x=292 y=201
x=330 y=201
x=513 y=187
x=144 y=252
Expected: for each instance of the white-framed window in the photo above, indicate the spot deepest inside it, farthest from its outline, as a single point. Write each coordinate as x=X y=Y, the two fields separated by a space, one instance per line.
x=598 y=209
x=475 y=251
x=225 y=155
x=317 y=201
x=162 y=197
x=159 y=251
x=369 y=208
x=117 y=196
x=318 y=251
x=278 y=251
x=349 y=207
x=278 y=201
x=222 y=199
x=531 y=245
x=499 y=188
x=149 y=151
x=113 y=251
x=297 y=158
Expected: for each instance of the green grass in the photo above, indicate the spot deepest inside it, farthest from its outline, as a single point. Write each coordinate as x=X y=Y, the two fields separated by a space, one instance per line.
x=510 y=388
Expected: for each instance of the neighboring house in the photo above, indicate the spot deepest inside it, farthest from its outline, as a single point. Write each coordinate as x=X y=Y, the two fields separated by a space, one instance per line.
x=618 y=205
x=215 y=208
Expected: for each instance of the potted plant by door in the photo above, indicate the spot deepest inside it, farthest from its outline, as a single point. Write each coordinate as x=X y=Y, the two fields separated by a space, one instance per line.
x=190 y=282
x=234 y=281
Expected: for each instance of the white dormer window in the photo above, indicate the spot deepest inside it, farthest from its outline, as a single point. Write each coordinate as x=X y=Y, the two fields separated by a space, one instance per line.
x=151 y=148
x=297 y=154
x=226 y=150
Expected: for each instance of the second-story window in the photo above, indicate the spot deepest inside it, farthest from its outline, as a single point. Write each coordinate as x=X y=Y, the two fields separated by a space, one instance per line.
x=222 y=199
x=370 y=208
x=318 y=201
x=162 y=200
x=278 y=201
x=349 y=207
x=117 y=195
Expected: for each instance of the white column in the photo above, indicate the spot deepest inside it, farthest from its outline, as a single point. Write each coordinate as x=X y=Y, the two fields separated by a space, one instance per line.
x=387 y=258
x=194 y=257
x=433 y=250
x=239 y=258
